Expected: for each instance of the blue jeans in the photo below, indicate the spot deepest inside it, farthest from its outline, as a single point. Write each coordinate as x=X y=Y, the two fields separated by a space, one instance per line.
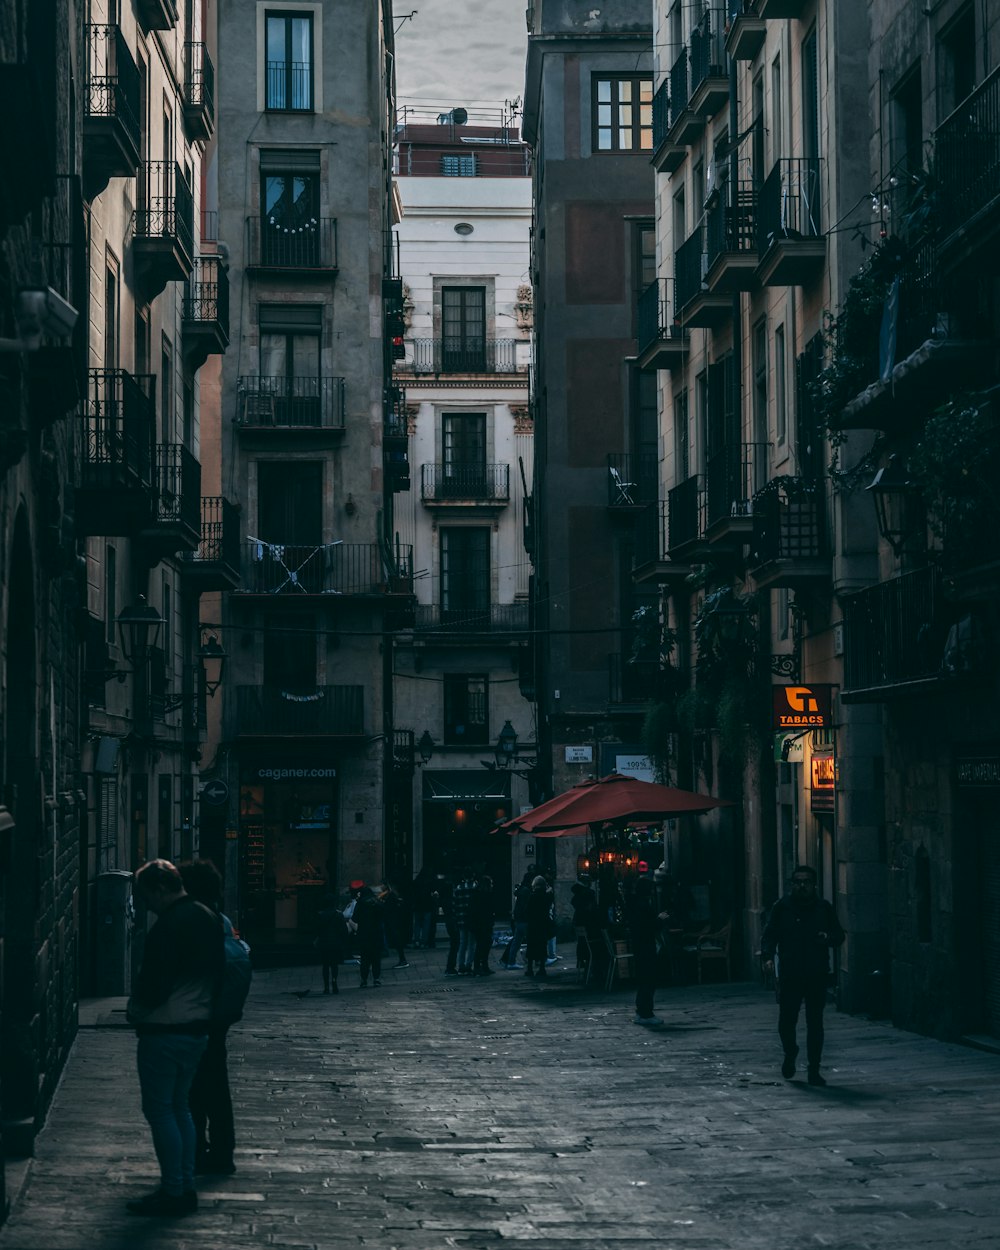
x=466 y=948
x=167 y=1063
x=516 y=942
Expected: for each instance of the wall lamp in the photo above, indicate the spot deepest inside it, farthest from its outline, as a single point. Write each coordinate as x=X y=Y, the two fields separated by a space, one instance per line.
x=893 y=494
x=425 y=747
x=39 y=312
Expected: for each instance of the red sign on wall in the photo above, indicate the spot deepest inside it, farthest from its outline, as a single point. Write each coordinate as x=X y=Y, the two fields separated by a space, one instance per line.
x=803 y=707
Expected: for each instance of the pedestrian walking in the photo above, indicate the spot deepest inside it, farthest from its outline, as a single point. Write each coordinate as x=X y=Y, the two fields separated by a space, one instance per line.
x=482 y=914
x=445 y=894
x=368 y=916
x=397 y=923
x=332 y=942
x=171 y=1008
x=539 y=926
x=519 y=922
x=461 y=899
x=801 y=931
x=643 y=922
x=210 y=1099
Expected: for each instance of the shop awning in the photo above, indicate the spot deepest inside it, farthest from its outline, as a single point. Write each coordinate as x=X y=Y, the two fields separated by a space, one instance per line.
x=449 y=785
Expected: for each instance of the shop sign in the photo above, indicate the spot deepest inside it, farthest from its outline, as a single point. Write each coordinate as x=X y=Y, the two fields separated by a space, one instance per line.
x=638 y=766
x=978 y=770
x=803 y=707
x=579 y=755
x=294 y=774
x=824 y=782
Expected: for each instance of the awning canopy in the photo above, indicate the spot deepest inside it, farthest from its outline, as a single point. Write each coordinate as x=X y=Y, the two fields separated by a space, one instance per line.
x=452 y=784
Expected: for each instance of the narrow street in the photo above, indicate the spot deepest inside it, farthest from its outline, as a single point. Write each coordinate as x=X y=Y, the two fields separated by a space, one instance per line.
x=471 y=1113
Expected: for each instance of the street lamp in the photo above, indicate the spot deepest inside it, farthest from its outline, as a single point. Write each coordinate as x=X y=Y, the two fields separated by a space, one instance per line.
x=213 y=656
x=892 y=492
x=505 y=751
x=426 y=747
x=138 y=629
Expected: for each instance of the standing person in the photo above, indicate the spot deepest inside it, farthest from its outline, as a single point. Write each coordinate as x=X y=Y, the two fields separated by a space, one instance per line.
x=519 y=922
x=210 y=1100
x=397 y=923
x=643 y=921
x=332 y=942
x=423 y=903
x=552 y=955
x=368 y=916
x=584 y=917
x=539 y=925
x=461 y=900
x=481 y=918
x=445 y=894
x=802 y=929
x=171 y=1008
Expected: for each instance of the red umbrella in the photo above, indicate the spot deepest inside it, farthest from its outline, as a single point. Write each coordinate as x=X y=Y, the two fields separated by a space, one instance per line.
x=615 y=797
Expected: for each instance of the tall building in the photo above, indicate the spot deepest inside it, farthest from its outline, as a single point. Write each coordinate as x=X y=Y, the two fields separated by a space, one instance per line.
x=305 y=213
x=588 y=120
x=463 y=389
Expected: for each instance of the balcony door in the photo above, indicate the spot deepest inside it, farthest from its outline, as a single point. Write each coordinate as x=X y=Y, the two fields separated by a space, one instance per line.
x=463 y=447
x=463 y=329
x=465 y=576
x=290 y=654
x=290 y=229
x=290 y=361
x=290 y=502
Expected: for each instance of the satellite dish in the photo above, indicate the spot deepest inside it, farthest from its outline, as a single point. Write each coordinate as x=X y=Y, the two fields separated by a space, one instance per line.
x=459 y=116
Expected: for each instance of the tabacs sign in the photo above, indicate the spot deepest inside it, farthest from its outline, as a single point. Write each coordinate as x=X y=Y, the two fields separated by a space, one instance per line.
x=803 y=707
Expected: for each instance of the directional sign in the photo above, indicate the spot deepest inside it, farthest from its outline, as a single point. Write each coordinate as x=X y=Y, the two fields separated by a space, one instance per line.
x=215 y=793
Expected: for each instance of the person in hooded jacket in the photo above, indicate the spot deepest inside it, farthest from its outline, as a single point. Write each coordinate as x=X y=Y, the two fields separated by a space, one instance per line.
x=539 y=927
x=368 y=916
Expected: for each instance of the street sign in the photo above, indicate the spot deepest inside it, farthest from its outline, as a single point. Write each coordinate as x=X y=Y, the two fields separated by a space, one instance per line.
x=215 y=793
x=803 y=707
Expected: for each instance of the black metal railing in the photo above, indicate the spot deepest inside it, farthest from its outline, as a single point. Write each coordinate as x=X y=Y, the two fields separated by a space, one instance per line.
x=690 y=264
x=789 y=206
x=464 y=356
x=967 y=156
x=685 y=512
x=112 y=88
x=291 y=403
x=327 y=712
x=741 y=8
x=491 y=618
x=655 y=319
x=272 y=568
x=661 y=114
x=166 y=205
x=708 y=56
x=209 y=231
x=395 y=413
x=289 y=86
x=465 y=481
x=119 y=422
x=679 y=86
x=207 y=296
x=729 y=226
x=732 y=478
x=632 y=681
x=651 y=535
x=310 y=244
x=199 y=78
x=788 y=521
x=920 y=298
x=897 y=632
x=178 y=486
x=632 y=479
x=219 y=526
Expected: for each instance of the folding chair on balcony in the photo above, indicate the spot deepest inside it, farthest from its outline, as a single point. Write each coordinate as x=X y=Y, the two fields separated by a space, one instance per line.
x=622 y=489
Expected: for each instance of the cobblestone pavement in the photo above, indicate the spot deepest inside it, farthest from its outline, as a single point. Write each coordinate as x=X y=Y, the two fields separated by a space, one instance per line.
x=450 y=1112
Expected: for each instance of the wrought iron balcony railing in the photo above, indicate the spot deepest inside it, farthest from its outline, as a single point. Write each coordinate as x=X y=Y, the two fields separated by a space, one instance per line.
x=112 y=85
x=967 y=156
x=655 y=320
x=789 y=207
x=730 y=227
x=679 y=85
x=326 y=712
x=492 y=618
x=165 y=206
x=178 y=487
x=118 y=429
x=732 y=478
x=302 y=246
x=708 y=56
x=480 y=482
x=207 y=297
x=219 y=528
x=280 y=403
x=271 y=568
x=464 y=356
x=690 y=267
x=685 y=513
x=651 y=535
x=661 y=114
x=199 y=88
x=788 y=521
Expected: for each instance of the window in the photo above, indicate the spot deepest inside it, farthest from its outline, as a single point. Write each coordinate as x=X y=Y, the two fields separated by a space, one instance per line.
x=465 y=576
x=111 y=313
x=777 y=112
x=290 y=228
x=757 y=151
x=107 y=825
x=290 y=361
x=956 y=62
x=679 y=218
x=167 y=612
x=110 y=592
x=140 y=341
x=187 y=410
x=463 y=329
x=810 y=96
x=906 y=124
x=466 y=705
x=780 y=399
x=290 y=502
x=623 y=114
x=682 y=448
x=463 y=166
x=463 y=447
x=290 y=653
x=166 y=391
x=289 y=58
x=701 y=414
x=760 y=404
x=645 y=256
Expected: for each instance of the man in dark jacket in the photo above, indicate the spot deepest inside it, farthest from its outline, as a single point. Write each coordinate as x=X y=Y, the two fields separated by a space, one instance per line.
x=171 y=1007
x=369 y=918
x=644 y=921
x=802 y=929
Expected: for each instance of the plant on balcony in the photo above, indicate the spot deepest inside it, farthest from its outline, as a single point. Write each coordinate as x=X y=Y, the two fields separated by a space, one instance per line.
x=729 y=673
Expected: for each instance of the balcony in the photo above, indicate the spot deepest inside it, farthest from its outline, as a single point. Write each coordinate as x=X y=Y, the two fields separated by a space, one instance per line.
x=327 y=712
x=458 y=484
x=661 y=342
x=788 y=549
x=488 y=622
x=790 y=243
x=117 y=490
x=901 y=638
x=732 y=477
x=781 y=10
x=967 y=172
x=272 y=405
x=732 y=241
x=632 y=481
x=306 y=250
x=667 y=156
x=206 y=312
x=686 y=520
x=464 y=356
x=685 y=124
x=632 y=683
x=709 y=64
x=651 y=560
x=156 y=14
x=395 y=436
x=176 y=520
x=747 y=30
x=199 y=92
x=215 y=563
x=696 y=304
x=163 y=227
x=303 y=570
x=110 y=109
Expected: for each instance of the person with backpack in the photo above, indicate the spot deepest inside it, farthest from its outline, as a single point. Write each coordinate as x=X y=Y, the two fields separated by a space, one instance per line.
x=210 y=1099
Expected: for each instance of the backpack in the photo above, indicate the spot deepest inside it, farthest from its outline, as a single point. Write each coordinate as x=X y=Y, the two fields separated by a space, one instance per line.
x=236 y=977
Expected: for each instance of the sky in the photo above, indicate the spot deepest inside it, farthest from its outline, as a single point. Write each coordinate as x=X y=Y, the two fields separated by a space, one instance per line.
x=460 y=52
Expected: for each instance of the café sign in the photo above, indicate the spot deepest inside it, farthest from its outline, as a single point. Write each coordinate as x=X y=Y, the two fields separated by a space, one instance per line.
x=803 y=707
